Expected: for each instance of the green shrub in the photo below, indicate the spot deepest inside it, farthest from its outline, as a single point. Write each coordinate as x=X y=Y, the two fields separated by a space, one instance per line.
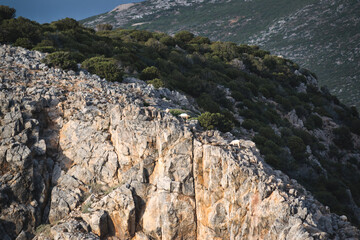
x=200 y=40
x=176 y=112
x=313 y=122
x=183 y=37
x=168 y=41
x=157 y=83
x=270 y=62
x=251 y=124
x=141 y=35
x=66 y=24
x=104 y=27
x=224 y=50
x=64 y=60
x=273 y=160
x=212 y=121
x=343 y=138
x=108 y=68
x=46 y=49
x=12 y=29
x=206 y=102
x=150 y=73
x=355 y=126
x=297 y=148
x=269 y=133
x=6 y=12
x=23 y=42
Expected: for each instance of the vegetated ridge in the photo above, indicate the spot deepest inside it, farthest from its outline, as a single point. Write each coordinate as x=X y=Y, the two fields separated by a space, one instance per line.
x=298 y=127
x=321 y=35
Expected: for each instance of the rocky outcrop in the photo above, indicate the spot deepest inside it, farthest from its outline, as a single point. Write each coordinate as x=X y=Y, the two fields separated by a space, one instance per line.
x=82 y=158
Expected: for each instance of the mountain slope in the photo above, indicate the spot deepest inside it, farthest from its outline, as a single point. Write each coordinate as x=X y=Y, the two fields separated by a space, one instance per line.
x=321 y=35
x=83 y=158
x=299 y=128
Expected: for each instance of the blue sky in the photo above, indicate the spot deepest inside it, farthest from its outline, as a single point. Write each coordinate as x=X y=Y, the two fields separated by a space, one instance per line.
x=51 y=10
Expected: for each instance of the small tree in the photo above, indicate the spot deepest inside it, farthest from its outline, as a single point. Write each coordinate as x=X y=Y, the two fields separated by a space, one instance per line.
x=66 y=24
x=218 y=121
x=108 y=68
x=6 y=12
x=157 y=83
x=168 y=41
x=64 y=60
x=150 y=73
x=343 y=138
x=23 y=42
x=297 y=148
x=183 y=37
x=104 y=27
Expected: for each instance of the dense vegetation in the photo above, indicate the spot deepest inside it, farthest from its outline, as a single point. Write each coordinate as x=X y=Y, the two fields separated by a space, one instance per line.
x=263 y=88
x=296 y=29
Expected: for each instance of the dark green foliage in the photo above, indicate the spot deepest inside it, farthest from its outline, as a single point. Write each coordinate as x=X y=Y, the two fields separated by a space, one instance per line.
x=343 y=138
x=297 y=148
x=212 y=121
x=355 y=126
x=23 y=42
x=108 y=68
x=140 y=36
x=150 y=73
x=224 y=50
x=200 y=40
x=167 y=40
x=206 y=102
x=104 y=27
x=65 y=60
x=251 y=124
x=6 y=12
x=157 y=83
x=183 y=37
x=313 y=122
x=66 y=24
x=13 y=29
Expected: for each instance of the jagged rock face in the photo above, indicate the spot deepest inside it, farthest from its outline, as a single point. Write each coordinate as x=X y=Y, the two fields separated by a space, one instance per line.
x=86 y=159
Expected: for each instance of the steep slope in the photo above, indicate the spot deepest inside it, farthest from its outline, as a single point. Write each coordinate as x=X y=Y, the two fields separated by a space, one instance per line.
x=299 y=128
x=88 y=159
x=320 y=35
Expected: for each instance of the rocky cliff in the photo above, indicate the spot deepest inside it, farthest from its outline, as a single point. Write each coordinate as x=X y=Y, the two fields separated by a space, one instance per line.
x=83 y=158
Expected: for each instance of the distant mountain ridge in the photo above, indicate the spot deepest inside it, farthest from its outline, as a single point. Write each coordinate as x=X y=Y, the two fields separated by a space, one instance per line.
x=323 y=36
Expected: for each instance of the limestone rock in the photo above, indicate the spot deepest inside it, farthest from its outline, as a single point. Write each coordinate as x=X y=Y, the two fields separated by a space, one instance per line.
x=121 y=207
x=84 y=158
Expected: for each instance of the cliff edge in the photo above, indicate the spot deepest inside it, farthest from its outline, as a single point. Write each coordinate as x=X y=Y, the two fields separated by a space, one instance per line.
x=83 y=158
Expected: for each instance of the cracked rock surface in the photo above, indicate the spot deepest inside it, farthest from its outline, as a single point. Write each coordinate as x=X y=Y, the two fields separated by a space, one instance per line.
x=82 y=158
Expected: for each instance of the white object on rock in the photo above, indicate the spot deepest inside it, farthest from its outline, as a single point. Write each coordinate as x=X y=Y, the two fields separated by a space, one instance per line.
x=235 y=143
x=184 y=116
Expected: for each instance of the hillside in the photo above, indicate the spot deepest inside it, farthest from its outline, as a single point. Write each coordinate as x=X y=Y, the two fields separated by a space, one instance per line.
x=321 y=35
x=169 y=119
x=83 y=158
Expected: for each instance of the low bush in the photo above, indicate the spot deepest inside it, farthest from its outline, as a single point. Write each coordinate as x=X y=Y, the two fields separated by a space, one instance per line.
x=211 y=121
x=64 y=60
x=343 y=138
x=108 y=68
x=157 y=83
x=150 y=73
